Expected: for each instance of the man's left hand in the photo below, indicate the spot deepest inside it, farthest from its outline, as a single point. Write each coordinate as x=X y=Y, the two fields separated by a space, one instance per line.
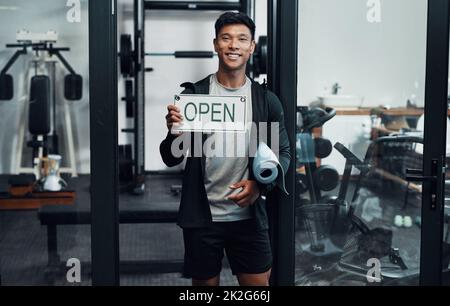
x=249 y=194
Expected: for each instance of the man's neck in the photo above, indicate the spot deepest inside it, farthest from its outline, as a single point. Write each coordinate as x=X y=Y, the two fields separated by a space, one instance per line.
x=231 y=79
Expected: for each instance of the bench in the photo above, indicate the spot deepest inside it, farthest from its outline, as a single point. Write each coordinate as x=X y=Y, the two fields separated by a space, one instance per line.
x=157 y=206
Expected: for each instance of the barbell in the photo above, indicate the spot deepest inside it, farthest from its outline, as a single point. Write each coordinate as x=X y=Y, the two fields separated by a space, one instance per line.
x=127 y=56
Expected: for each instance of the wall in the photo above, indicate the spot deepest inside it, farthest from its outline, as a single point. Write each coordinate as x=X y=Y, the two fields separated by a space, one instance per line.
x=383 y=62
x=41 y=16
x=166 y=31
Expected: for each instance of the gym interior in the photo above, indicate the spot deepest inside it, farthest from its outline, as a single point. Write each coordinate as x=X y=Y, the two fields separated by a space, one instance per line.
x=84 y=89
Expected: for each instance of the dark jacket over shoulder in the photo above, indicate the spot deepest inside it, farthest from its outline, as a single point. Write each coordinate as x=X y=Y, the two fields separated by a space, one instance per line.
x=194 y=207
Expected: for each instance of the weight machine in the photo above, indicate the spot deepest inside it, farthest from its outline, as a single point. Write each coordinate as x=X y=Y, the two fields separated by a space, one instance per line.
x=42 y=98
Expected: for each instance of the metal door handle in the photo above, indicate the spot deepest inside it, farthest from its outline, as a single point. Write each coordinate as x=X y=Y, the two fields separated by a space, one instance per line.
x=416 y=175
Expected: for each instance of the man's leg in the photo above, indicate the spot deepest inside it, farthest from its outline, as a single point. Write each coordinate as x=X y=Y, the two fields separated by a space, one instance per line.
x=258 y=280
x=249 y=253
x=203 y=255
x=213 y=282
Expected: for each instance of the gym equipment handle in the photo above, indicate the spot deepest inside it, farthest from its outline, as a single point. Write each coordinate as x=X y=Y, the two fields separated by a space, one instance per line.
x=193 y=5
x=194 y=54
x=185 y=54
x=416 y=175
x=348 y=155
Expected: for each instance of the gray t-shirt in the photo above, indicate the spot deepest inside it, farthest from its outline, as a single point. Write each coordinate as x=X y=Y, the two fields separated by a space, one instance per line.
x=232 y=166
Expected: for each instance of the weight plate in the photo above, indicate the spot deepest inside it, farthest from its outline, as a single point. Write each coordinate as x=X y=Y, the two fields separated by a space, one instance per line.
x=326 y=178
x=323 y=147
x=126 y=55
x=260 y=57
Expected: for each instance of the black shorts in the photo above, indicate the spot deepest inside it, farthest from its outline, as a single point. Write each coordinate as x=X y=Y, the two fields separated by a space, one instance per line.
x=248 y=249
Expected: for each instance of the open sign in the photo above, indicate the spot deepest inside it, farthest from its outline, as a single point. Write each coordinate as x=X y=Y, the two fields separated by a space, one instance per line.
x=207 y=113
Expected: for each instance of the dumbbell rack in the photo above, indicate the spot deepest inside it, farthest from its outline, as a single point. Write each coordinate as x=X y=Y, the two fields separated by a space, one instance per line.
x=135 y=67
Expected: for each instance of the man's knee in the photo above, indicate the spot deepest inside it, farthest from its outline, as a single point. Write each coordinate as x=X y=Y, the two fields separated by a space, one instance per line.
x=260 y=280
x=212 y=282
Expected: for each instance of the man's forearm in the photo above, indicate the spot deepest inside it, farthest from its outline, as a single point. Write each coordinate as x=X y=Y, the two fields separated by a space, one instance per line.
x=165 y=150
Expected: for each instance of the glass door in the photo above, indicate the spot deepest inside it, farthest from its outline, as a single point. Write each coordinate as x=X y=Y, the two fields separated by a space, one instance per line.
x=57 y=155
x=446 y=218
x=45 y=155
x=368 y=177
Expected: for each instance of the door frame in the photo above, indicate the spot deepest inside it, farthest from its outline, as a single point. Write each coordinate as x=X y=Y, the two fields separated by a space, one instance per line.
x=434 y=140
x=282 y=80
x=104 y=141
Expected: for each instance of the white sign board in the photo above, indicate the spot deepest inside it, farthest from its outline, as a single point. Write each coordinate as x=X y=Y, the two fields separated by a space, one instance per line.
x=207 y=113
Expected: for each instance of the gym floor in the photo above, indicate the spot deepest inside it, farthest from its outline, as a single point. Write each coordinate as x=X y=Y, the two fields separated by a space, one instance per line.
x=377 y=206
x=328 y=269
x=23 y=244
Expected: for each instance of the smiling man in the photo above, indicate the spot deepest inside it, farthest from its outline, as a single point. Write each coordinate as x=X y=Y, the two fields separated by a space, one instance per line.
x=221 y=206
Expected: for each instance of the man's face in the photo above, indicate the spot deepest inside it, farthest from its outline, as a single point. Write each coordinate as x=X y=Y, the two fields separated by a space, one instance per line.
x=234 y=45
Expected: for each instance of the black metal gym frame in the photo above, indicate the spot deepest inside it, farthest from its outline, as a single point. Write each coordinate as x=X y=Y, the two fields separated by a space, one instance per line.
x=139 y=94
x=282 y=80
x=140 y=7
x=13 y=58
x=138 y=75
x=104 y=140
x=196 y=5
x=38 y=47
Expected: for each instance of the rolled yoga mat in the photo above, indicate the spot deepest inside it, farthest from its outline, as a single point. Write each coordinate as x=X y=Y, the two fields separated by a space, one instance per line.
x=267 y=169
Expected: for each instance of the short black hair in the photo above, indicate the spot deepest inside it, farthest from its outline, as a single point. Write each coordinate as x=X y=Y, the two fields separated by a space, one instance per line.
x=229 y=18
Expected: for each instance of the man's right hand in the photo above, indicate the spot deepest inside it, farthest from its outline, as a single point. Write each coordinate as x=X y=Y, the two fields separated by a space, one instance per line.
x=173 y=117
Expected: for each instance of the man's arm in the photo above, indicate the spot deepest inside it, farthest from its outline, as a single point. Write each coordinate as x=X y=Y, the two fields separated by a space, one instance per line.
x=165 y=150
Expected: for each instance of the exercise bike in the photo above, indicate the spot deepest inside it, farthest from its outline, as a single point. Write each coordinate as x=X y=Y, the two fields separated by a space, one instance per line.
x=329 y=228
x=339 y=242
x=331 y=214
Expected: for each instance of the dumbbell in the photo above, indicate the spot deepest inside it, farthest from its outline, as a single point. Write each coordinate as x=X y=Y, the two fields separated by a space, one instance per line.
x=322 y=147
x=317 y=117
x=326 y=178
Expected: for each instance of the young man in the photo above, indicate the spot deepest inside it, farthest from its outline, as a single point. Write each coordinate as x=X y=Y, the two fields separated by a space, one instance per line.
x=221 y=206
